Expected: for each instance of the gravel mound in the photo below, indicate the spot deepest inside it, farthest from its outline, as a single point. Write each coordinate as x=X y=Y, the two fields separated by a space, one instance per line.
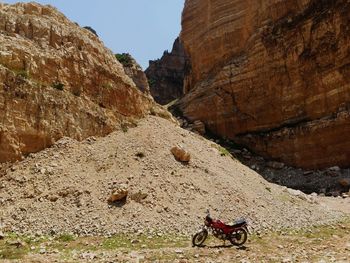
x=64 y=189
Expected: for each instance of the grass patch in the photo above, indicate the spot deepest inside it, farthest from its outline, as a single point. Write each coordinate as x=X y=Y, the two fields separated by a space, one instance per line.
x=144 y=242
x=223 y=151
x=65 y=238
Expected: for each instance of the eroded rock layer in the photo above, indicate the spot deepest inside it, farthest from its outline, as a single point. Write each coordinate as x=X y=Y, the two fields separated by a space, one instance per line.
x=57 y=79
x=166 y=75
x=273 y=75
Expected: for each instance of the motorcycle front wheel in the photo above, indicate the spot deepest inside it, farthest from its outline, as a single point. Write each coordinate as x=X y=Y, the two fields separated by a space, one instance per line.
x=239 y=237
x=199 y=238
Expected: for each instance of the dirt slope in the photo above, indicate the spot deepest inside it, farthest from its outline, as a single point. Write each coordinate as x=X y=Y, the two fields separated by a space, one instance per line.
x=65 y=188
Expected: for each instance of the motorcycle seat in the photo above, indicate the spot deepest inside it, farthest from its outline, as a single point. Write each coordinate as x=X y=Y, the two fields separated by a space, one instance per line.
x=238 y=222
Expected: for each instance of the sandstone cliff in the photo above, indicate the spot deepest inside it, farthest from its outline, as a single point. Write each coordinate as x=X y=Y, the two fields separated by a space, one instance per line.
x=57 y=79
x=166 y=75
x=272 y=75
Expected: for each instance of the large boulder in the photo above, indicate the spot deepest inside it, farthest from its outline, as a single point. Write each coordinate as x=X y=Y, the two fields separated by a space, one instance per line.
x=271 y=75
x=180 y=154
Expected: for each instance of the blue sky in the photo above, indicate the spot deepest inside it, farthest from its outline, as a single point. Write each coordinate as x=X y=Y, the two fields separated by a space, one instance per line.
x=143 y=28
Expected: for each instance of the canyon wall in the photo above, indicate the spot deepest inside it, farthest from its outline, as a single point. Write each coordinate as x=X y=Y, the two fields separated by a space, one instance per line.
x=166 y=75
x=272 y=75
x=57 y=79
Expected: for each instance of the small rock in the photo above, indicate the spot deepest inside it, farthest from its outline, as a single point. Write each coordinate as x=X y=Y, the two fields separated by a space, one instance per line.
x=119 y=193
x=52 y=198
x=2 y=235
x=275 y=165
x=199 y=127
x=333 y=171
x=334 y=168
x=179 y=251
x=87 y=256
x=307 y=172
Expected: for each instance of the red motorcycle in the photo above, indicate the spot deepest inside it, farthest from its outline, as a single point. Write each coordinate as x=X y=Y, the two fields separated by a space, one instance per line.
x=236 y=233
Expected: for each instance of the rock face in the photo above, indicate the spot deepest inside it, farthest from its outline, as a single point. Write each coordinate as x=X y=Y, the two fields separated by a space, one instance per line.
x=272 y=75
x=166 y=75
x=57 y=79
x=134 y=71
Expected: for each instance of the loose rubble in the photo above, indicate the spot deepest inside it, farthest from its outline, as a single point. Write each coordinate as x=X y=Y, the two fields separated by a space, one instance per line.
x=64 y=189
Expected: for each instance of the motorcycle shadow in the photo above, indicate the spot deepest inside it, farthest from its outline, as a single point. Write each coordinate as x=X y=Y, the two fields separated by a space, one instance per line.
x=226 y=246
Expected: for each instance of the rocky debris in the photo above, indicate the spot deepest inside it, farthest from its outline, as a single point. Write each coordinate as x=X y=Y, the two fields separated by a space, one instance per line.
x=63 y=75
x=325 y=182
x=333 y=171
x=119 y=193
x=231 y=84
x=180 y=154
x=134 y=71
x=197 y=127
x=177 y=195
x=166 y=75
x=2 y=235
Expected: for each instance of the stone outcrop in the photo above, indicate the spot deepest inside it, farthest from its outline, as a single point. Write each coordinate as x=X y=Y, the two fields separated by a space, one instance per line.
x=272 y=75
x=134 y=71
x=166 y=75
x=57 y=79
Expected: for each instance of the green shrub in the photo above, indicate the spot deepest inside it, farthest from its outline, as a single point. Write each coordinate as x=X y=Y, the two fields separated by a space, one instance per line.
x=23 y=74
x=124 y=127
x=125 y=59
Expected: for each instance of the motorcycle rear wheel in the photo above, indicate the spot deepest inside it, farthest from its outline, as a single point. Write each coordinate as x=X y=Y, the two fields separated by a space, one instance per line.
x=199 y=238
x=239 y=237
